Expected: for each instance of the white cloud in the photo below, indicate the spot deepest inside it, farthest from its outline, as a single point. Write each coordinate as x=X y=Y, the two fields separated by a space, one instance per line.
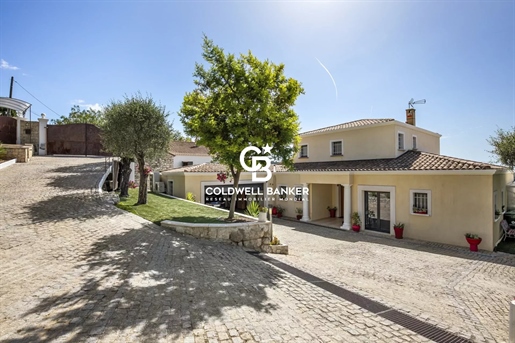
x=95 y=107
x=5 y=65
x=82 y=104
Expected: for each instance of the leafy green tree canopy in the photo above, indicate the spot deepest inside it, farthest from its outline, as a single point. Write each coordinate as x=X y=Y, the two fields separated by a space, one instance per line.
x=137 y=128
x=503 y=143
x=241 y=101
x=78 y=116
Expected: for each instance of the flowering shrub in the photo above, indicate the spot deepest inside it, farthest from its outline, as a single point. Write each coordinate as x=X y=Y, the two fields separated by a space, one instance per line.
x=147 y=170
x=221 y=177
x=133 y=184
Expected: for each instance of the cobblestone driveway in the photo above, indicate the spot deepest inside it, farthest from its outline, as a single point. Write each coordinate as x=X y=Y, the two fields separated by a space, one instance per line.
x=451 y=287
x=74 y=269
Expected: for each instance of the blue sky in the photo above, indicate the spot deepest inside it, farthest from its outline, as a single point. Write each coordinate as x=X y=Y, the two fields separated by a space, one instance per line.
x=459 y=55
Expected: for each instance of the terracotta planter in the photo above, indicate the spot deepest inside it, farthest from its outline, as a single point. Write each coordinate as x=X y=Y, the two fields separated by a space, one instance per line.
x=356 y=227
x=279 y=215
x=299 y=216
x=398 y=232
x=332 y=213
x=474 y=242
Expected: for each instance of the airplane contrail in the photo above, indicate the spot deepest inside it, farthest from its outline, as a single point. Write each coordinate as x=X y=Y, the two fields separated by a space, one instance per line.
x=334 y=83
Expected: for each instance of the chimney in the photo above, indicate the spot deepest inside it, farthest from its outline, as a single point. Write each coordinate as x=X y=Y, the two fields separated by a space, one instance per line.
x=410 y=116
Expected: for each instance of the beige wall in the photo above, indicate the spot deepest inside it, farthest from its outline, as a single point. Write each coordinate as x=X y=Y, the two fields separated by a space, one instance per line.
x=368 y=143
x=322 y=196
x=460 y=204
x=426 y=142
x=179 y=182
x=290 y=180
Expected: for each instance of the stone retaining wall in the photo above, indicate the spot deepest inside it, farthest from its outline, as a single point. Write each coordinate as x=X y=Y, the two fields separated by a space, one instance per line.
x=253 y=235
x=22 y=153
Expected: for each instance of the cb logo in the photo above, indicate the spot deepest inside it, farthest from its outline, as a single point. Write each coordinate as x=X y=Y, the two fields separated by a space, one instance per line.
x=255 y=167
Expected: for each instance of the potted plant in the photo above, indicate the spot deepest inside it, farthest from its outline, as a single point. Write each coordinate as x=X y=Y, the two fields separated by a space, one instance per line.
x=280 y=211
x=332 y=211
x=356 y=221
x=399 y=230
x=473 y=241
x=262 y=214
x=299 y=213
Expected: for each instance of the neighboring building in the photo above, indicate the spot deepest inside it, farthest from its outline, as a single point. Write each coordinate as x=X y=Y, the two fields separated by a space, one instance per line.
x=179 y=154
x=387 y=171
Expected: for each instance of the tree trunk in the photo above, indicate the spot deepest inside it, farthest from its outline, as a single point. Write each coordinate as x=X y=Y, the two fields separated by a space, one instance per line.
x=142 y=194
x=125 y=171
x=236 y=182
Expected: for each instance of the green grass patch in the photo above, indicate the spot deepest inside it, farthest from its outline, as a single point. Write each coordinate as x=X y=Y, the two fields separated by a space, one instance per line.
x=507 y=246
x=159 y=208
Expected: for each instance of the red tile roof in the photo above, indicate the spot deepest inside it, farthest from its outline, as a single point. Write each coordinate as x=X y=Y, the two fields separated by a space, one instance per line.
x=410 y=160
x=352 y=124
x=187 y=148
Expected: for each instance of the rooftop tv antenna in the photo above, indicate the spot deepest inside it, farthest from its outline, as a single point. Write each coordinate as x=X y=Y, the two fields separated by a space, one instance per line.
x=412 y=102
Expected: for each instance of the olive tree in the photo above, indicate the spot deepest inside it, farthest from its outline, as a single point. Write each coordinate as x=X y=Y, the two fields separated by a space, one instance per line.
x=136 y=128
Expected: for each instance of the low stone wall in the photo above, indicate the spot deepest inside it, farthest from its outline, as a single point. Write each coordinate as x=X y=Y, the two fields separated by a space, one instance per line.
x=22 y=153
x=253 y=235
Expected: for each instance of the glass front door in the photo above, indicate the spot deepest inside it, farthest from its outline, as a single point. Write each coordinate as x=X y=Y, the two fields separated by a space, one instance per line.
x=377 y=211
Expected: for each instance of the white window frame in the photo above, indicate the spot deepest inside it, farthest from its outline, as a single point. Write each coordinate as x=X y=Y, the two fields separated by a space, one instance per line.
x=331 y=147
x=414 y=142
x=403 y=141
x=412 y=202
x=307 y=151
x=281 y=196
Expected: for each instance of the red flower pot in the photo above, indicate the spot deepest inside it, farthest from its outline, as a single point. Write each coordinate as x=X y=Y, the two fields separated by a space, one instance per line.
x=474 y=242
x=279 y=215
x=332 y=213
x=274 y=211
x=356 y=228
x=398 y=232
x=299 y=216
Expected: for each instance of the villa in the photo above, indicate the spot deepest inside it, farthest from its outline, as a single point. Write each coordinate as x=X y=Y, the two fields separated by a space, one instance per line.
x=386 y=170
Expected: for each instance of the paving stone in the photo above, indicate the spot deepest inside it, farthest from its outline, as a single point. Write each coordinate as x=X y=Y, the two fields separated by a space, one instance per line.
x=76 y=268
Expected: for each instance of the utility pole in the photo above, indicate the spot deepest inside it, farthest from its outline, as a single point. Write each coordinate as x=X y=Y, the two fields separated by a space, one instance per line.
x=11 y=93
x=11 y=88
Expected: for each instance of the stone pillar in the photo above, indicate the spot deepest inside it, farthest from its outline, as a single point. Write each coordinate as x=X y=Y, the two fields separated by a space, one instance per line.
x=346 y=207
x=132 y=177
x=305 y=204
x=43 y=121
x=18 y=130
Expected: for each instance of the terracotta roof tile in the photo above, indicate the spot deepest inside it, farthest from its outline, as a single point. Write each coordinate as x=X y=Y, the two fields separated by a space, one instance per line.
x=352 y=124
x=187 y=148
x=410 y=160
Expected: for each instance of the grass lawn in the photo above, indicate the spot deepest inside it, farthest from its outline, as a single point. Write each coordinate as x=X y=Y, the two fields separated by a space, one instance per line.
x=159 y=208
x=507 y=246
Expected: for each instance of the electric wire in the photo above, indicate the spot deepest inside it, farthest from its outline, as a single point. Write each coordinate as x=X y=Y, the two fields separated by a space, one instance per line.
x=36 y=98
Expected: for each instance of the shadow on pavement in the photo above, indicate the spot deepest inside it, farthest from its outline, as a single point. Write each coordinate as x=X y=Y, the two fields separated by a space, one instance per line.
x=78 y=177
x=434 y=248
x=150 y=283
